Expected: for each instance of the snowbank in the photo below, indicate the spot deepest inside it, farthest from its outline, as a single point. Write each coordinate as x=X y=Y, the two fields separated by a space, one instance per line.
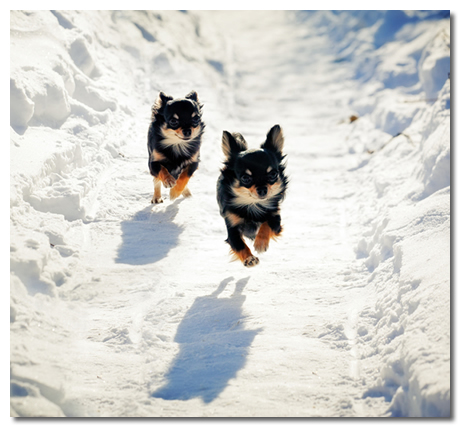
x=404 y=103
x=407 y=253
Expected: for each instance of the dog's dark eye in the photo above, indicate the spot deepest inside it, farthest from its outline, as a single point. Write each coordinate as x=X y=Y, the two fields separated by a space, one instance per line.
x=272 y=176
x=195 y=121
x=174 y=123
x=246 y=179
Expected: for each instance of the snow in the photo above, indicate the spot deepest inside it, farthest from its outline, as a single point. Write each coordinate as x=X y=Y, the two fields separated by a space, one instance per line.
x=120 y=308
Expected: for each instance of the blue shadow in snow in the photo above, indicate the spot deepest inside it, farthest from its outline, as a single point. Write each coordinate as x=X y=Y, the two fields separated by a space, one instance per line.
x=149 y=235
x=213 y=346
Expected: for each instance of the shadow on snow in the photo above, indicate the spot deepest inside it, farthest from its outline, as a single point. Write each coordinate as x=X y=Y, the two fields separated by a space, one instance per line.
x=213 y=346
x=149 y=235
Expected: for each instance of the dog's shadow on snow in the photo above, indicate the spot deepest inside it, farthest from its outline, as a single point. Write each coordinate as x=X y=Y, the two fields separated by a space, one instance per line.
x=149 y=235
x=214 y=345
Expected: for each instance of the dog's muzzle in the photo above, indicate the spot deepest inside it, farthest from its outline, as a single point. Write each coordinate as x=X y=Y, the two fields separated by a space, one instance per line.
x=262 y=191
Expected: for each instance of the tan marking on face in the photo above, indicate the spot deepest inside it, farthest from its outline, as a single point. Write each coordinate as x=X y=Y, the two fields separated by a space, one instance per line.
x=245 y=193
x=193 y=114
x=274 y=189
x=171 y=135
x=195 y=132
x=179 y=133
x=249 y=198
x=176 y=116
x=175 y=136
x=269 y=169
x=248 y=172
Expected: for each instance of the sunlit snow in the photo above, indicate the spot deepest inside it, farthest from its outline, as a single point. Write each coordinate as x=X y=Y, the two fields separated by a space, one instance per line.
x=121 y=308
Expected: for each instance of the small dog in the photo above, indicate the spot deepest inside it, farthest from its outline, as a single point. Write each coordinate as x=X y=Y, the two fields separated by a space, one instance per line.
x=174 y=140
x=250 y=189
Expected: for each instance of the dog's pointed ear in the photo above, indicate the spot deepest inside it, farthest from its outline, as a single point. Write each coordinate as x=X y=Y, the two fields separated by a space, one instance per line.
x=233 y=144
x=160 y=103
x=192 y=95
x=275 y=140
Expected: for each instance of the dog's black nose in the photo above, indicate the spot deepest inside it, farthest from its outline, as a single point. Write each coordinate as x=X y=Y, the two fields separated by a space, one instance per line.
x=187 y=132
x=262 y=191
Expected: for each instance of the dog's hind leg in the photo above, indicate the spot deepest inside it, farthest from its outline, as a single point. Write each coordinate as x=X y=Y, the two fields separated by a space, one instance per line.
x=263 y=237
x=182 y=181
x=186 y=192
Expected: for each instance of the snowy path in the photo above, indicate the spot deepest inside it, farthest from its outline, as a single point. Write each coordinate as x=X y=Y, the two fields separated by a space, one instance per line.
x=145 y=315
x=166 y=285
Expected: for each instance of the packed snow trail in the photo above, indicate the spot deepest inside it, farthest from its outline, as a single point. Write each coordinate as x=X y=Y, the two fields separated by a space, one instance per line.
x=153 y=320
x=209 y=318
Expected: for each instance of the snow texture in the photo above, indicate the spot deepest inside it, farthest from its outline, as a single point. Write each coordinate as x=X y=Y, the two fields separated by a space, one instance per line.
x=120 y=308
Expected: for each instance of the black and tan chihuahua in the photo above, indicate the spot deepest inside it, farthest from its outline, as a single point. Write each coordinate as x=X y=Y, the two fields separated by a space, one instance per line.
x=250 y=189
x=174 y=141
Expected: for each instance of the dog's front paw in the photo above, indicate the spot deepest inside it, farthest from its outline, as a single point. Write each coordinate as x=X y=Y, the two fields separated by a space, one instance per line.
x=157 y=199
x=251 y=261
x=169 y=182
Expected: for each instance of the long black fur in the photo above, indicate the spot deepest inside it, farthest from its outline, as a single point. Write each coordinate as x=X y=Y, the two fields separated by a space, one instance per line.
x=252 y=214
x=175 y=158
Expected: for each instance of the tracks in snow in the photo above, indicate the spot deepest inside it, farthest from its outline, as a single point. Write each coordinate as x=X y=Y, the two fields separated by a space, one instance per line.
x=189 y=333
